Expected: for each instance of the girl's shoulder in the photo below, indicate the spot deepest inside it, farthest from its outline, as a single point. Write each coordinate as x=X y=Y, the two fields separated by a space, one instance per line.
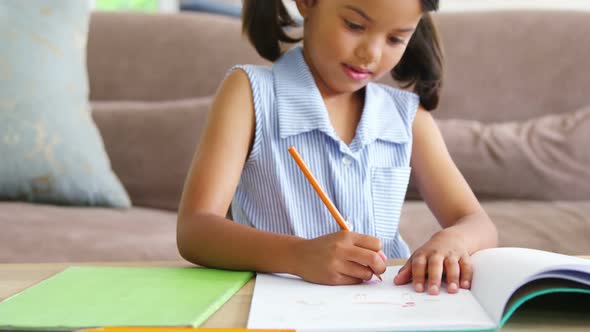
x=261 y=81
x=256 y=73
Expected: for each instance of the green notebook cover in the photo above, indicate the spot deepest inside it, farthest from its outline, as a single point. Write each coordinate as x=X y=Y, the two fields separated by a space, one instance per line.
x=117 y=296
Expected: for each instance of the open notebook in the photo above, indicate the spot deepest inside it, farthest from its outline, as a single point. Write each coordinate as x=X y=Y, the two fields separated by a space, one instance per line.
x=503 y=279
x=82 y=297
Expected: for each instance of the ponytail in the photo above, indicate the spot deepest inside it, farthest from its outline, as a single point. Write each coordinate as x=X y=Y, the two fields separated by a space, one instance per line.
x=263 y=21
x=421 y=65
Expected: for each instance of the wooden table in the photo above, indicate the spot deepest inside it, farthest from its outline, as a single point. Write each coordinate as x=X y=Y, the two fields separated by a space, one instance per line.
x=15 y=278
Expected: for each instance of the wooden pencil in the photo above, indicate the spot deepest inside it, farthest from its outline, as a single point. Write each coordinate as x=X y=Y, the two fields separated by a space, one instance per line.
x=318 y=189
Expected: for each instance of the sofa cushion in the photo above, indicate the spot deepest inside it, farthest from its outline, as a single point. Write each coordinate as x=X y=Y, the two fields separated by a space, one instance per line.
x=544 y=158
x=151 y=145
x=495 y=71
x=142 y=56
x=45 y=233
x=554 y=226
x=50 y=147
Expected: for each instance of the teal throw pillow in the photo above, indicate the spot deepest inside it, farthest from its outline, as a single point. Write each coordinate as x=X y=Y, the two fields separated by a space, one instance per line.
x=50 y=148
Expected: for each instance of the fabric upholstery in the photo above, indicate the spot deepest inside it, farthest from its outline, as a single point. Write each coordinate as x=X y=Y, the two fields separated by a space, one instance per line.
x=151 y=145
x=512 y=65
x=544 y=158
x=162 y=57
x=47 y=233
x=40 y=233
x=558 y=226
x=51 y=149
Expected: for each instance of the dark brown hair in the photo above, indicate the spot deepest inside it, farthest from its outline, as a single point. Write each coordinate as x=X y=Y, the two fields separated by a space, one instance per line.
x=421 y=66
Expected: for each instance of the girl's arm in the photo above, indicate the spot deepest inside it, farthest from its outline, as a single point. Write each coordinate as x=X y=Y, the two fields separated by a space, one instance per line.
x=204 y=235
x=467 y=227
x=444 y=189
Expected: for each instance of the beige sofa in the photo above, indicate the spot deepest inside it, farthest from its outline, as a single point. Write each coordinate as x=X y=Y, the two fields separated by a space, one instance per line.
x=151 y=77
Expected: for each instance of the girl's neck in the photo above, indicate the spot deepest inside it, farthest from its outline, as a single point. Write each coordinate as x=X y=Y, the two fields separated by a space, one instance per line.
x=343 y=101
x=345 y=114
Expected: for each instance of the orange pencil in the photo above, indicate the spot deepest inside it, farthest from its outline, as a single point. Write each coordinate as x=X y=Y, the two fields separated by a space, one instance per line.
x=316 y=186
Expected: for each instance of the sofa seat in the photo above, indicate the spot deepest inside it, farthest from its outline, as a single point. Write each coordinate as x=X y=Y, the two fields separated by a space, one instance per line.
x=559 y=226
x=45 y=233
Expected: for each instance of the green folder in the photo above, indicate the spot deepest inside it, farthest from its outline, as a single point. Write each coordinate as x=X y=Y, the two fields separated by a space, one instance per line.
x=115 y=296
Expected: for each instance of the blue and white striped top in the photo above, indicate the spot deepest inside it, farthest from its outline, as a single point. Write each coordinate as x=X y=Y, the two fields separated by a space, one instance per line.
x=367 y=179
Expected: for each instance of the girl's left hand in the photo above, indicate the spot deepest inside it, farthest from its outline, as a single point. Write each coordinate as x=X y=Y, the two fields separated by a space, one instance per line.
x=445 y=253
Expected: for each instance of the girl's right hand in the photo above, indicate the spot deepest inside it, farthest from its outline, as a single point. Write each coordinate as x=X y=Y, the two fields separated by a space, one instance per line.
x=341 y=258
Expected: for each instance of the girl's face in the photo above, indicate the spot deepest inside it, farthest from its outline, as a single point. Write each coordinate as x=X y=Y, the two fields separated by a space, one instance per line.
x=348 y=43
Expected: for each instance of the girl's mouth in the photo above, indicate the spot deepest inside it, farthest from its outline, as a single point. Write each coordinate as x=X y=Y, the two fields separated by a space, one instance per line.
x=356 y=74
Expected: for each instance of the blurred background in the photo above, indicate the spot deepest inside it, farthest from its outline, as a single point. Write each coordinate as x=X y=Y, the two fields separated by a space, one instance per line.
x=232 y=7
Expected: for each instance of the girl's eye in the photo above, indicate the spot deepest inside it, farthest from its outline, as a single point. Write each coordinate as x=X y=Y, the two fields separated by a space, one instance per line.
x=395 y=40
x=353 y=26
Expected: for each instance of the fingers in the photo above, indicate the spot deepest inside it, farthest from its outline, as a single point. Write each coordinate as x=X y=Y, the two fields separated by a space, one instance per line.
x=368 y=258
x=367 y=252
x=339 y=279
x=452 y=271
x=466 y=271
x=347 y=280
x=366 y=241
x=458 y=273
x=418 y=272
x=404 y=275
x=356 y=271
x=382 y=255
x=435 y=271
x=426 y=272
x=343 y=272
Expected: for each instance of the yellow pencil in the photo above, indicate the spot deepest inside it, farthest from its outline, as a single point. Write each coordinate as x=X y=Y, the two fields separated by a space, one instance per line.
x=318 y=189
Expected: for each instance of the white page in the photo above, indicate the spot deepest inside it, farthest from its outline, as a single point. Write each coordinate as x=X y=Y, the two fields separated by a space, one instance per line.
x=289 y=302
x=498 y=272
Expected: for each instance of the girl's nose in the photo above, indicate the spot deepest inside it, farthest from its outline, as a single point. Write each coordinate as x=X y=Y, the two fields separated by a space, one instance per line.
x=369 y=52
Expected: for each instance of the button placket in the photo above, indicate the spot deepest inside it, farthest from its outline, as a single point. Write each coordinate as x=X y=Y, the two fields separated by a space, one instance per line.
x=346 y=160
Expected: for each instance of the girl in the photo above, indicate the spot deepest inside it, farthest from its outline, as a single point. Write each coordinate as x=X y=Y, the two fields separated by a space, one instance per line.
x=359 y=139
